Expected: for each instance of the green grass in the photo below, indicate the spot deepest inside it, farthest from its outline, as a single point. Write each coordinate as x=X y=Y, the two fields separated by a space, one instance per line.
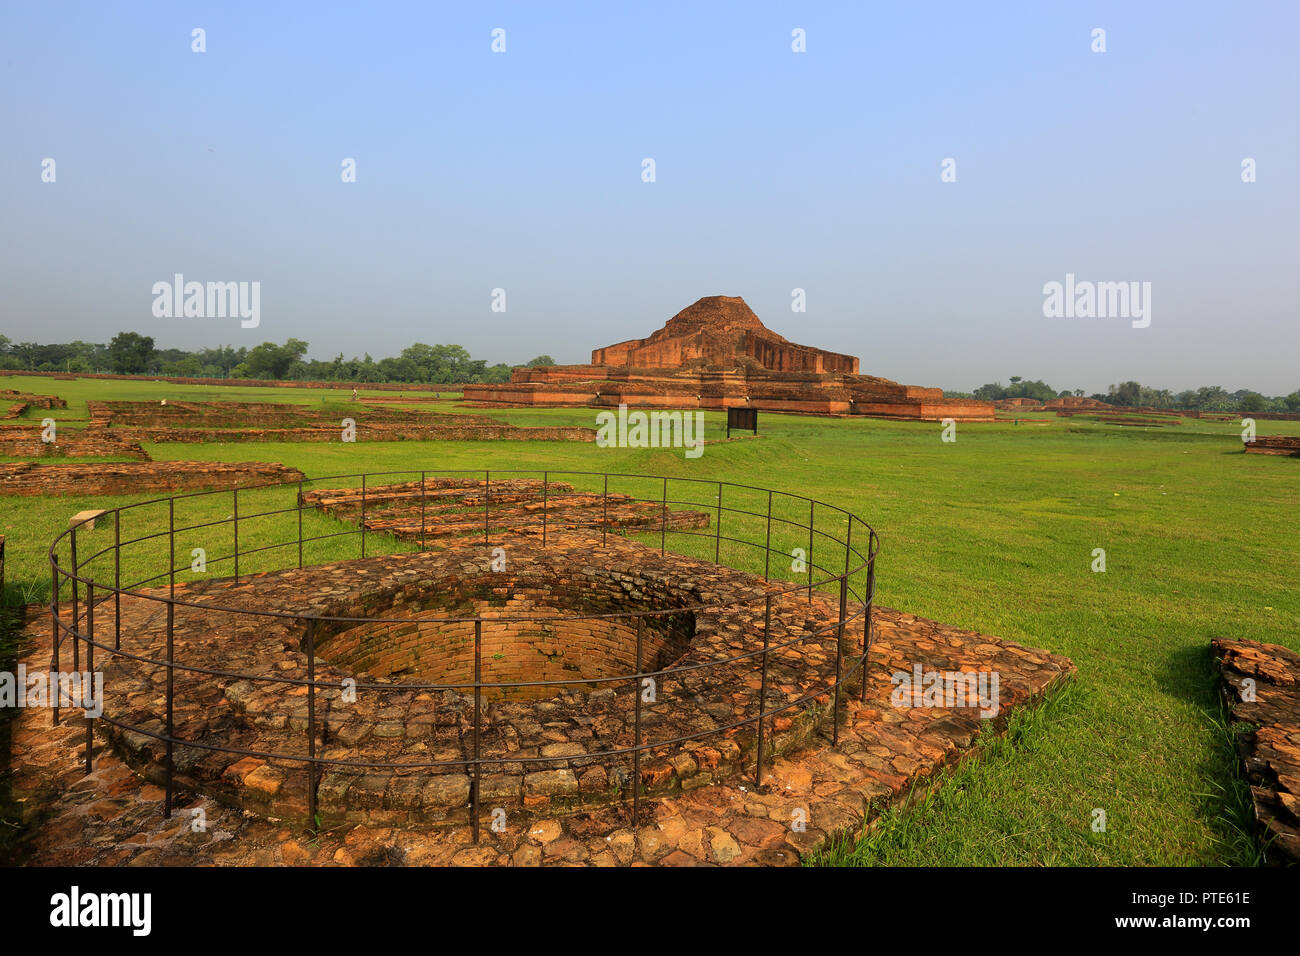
x=994 y=532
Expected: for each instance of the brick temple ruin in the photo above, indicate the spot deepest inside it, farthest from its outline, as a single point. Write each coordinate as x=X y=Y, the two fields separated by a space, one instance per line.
x=717 y=354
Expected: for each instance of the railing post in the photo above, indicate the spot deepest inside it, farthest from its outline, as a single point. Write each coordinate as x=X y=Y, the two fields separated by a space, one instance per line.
x=478 y=697
x=311 y=720
x=76 y=605
x=762 y=692
x=546 y=489
x=870 y=606
x=171 y=647
x=117 y=579
x=663 y=518
x=604 y=512
x=300 y=526
x=90 y=670
x=235 y=492
x=363 y=516
x=717 y=530
x=54 y=637
x=839 y=660
x=636 y=753
x=423 y=496
x=812 y=510
x=767 y=549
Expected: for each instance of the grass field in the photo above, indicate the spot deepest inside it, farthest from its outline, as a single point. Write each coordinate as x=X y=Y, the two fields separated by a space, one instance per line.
x=994 y=532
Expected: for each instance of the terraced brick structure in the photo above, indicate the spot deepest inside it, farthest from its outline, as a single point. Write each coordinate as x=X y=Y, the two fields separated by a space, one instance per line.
x=717 y=354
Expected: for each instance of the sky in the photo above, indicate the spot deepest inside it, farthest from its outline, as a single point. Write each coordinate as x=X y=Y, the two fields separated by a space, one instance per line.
x=774 y=170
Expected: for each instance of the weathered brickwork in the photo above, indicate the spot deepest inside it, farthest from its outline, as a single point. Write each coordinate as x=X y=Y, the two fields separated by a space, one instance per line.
x=1261 y=685
x=551 y=752
x=454 y=509
x=716 y=354
x=121 y=478
x=277 y=422
x=25 y=441
x=1274 y=445
x=114 y=817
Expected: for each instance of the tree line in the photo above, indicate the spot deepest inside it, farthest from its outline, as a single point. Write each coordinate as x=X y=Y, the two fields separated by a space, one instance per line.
x=129 y=353
x=1210 y=398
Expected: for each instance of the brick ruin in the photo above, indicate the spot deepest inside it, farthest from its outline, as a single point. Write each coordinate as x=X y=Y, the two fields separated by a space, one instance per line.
x=129 y=477
x=1266 y=717
x=717 y=354
x=18 y=402
x=181 y=421
x=459 y=510
x=25 y=441
x=1288 y=445
x=551 y=745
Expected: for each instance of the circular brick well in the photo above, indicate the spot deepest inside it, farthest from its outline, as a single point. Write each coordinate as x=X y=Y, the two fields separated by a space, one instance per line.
x=531 y=631
x=395 y=750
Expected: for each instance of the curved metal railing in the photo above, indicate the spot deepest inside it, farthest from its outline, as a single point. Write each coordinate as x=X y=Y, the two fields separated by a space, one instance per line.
x=79 y=626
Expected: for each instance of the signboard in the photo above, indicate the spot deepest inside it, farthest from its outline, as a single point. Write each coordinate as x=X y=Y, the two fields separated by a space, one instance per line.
x=742 y=418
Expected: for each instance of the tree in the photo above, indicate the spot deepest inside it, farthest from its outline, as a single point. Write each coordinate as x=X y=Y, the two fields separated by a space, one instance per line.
x=541 y=360
x=130 y=353
x=269 y=360
x=1127 y=394
x=1252 y=402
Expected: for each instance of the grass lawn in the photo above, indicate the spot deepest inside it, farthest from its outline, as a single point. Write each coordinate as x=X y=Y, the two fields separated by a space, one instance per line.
x=994 y=532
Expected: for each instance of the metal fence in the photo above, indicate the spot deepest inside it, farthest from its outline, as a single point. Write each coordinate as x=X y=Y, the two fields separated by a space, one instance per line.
x=835 y=563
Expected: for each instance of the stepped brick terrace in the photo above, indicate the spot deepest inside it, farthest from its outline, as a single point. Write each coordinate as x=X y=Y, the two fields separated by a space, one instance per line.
x=717 y=354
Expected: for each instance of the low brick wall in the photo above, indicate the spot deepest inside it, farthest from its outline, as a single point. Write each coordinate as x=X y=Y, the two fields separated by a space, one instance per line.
x=1274 y=445
x=24 y=441
x=238 y=422
x=122 y=478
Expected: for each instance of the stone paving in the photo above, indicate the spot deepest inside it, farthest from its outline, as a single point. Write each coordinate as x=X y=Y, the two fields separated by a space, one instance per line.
x=811 y=792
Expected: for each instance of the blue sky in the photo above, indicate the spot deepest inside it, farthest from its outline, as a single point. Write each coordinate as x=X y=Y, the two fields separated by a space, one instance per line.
x=774 y=171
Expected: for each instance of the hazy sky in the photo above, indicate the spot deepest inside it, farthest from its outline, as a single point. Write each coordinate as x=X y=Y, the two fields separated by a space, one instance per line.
x=774 y=170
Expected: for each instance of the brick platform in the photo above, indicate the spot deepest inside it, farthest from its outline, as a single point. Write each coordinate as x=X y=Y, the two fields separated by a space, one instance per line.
x=576 y=726
x=1288 y=445
x=120 y=478
x=25 y=441
x=279 y=422
x=15 y=402
x=113 y=818
x=1271 y=753
x=452 y=509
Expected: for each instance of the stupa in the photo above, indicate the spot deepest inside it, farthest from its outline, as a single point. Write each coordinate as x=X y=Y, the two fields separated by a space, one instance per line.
x=717 y=354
